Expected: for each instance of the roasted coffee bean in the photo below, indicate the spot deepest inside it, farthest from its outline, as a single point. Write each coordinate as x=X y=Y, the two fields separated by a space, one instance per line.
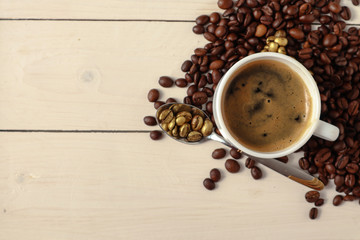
x=334 y=7
x=232 y=166
x=349 y=198
x=181 y=82
x=339 y=180
x=235 y=154
x=252 y=3
x=309 y=18
x=337 y=200
x=185 y=67
x=215 y=65
x=191 y=90
x=340 y=61
x=198 y=29
x=355 y=2
x=199 y=98
x=319 y=202
x=218 y=153
x=266 y=20
x=350 y=180
x=150 y=121
x=345 y=13
x=209 y=184
x=249 y=163
x=170 y=100
x=356 y=191
x=210 y=37
x=305 y=9
x=153 y=95
x=225 y=4
x=313 y=213
x=341 y=161
x=353 y=108
x=261 y=30
x=202 y=20
x=256 y=173
x=323 y=155
x=215 y=174
x=296 y=33
x=166 y=82
x=155 y=135
x=352 y=168
x=312 y=196
x=329 y=40
x=313 y=38
x=284 y=159
x=214 y=17
x=304 y=163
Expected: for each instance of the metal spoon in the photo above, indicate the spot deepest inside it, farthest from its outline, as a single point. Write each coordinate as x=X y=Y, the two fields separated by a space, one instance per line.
x=280 y=167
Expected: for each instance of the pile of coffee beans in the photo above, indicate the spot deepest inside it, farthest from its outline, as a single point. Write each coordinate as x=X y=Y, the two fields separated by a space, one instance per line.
x=317 y=35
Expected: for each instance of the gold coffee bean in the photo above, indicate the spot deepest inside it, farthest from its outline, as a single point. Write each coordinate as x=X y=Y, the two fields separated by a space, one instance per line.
x=166 y=116
x=281 y=41
x=264 y=50
x=194 y=136
x=266 y=47
x=180 y=120
x=169 y=133
x=282 y=50
x=207 y=128
x=197 y=123
x=165 y=126
x=185 y=114
x=180 y=107
x=184 y=130
x=172 y=124
x=273 y=47
x=280 y=34
x=196 y=111
x=270 y=39
x=175 y=131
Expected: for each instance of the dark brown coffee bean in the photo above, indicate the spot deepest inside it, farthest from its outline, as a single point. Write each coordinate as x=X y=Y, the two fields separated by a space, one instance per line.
x=198 y=29
x=313 y=38
x=202 y=20
x=296 y=33
x=199 y=98
x=309 y=18
x=215 y=174
x=345 y=13
x=340 y=61
x=319 y=202
x=185 y=67
x=209 y=184
x=284 y=159
x=214 y=17
x=232 y=166
x=191 y=90
x=304 y=163
x=305 y=9
x=221 y=31
x=349 y=198
x=266 y=20
x=216 y=76
x=153 y=95
x=210 y=37
x=342 y=103
x=155 y=135
x=306 y=53
x=353 y=108
x=350 y=180
x=158 y=104
x=256 y=173
x=166 y=82
x=352 y=168
x=312 y=196
x=252 y=3
x=356 y=191
x=355 y=2
x=341 y=161
x=339 y=180
x=330 y=168
x=353 y=94
x=337 y=200
x=218 y=153
x=323 y=155
x=150 y=121
x=329 y=40
x=216 y=64
x=334 y=7
x=313 y=213
x=181 y=82
x=225 y=4
x=312 y=169
x=187 y=100
x=325 y=58
x=249 y=163
x=170 y=100
x=235 y=154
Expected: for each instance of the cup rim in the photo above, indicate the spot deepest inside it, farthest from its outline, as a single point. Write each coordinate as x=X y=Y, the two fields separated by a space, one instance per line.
x=309 y=83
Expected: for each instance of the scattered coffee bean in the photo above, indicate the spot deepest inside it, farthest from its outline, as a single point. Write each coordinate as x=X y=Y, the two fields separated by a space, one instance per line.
x=218 y=153
x=158 y=104
x=235 y=153
x=249 y=163
x=150 y=121
x=225 y=4
x=355 y=2
x=337 y=200
x=153 y=95
x=166 y=82
x=215 y=174
x=256 y=173
x=209 y=184
x=312 y=196
x=313 y=213
x=319 y=202
x=155 y=135
x=334 y=7
x=232 y=166
x=181 y=82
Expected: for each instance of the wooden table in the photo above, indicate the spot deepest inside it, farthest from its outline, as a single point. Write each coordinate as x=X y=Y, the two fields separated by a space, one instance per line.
x=76 y=161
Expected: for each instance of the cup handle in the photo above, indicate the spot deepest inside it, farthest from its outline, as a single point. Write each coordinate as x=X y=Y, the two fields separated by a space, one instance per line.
x=326 y=131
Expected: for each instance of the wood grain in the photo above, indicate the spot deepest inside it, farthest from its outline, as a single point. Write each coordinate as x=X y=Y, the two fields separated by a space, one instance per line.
x=125 y=186
x=87 y=75
x=184 y=10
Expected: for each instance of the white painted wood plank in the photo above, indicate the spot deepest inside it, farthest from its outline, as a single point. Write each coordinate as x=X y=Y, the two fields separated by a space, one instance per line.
x=118 y=9
x=125 y=186
x=87 y=75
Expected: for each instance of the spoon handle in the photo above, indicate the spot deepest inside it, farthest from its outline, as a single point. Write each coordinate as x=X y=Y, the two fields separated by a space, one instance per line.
x=291 y=172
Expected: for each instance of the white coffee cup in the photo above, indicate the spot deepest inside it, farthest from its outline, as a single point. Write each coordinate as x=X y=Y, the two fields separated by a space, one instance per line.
x=316 y=126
